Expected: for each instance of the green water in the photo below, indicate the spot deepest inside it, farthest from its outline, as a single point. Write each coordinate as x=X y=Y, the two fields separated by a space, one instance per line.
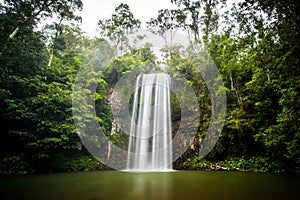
x=159 y=186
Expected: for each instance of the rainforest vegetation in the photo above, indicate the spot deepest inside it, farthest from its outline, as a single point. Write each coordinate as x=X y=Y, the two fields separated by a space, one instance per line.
x=254 y=44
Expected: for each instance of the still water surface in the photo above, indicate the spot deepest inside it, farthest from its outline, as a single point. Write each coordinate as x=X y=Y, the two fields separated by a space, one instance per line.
x=110 y=185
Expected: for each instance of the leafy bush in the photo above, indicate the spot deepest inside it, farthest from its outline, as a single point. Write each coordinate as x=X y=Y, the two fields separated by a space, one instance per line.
x=14 y=165
x=256 y=164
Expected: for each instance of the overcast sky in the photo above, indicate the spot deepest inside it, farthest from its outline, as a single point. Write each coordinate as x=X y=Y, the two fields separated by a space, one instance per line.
x=93 y=10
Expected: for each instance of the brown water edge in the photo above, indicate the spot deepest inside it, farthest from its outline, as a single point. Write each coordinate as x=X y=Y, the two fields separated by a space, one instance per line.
x=174 y=185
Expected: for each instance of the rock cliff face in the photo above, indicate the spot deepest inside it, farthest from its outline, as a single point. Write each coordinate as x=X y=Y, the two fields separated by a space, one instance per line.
x=113 y=100
x=120 y=108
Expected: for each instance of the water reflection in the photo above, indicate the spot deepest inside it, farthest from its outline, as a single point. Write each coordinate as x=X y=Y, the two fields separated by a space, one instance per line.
x=149 y=185
x=178 y=185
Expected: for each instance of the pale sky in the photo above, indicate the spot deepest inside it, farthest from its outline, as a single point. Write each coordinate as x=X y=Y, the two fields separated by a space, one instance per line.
x=93 y=10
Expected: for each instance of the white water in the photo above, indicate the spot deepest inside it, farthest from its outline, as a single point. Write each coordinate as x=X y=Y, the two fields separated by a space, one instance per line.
x=150 y=141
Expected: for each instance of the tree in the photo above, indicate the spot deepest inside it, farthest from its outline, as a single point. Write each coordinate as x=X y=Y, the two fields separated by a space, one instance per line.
x=168 y=22
x=202 y=17
x=120 y=24
x=25 y=13
x=277 y=77
x=262 y=73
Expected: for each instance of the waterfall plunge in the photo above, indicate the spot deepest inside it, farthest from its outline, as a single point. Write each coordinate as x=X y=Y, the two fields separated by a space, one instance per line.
x=150 y=141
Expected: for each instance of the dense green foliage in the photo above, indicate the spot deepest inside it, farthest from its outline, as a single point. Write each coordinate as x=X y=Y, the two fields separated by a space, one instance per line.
x=256 y=53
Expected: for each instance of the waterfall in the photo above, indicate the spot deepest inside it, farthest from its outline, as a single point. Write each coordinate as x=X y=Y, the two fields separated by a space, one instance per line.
x=150 y=140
